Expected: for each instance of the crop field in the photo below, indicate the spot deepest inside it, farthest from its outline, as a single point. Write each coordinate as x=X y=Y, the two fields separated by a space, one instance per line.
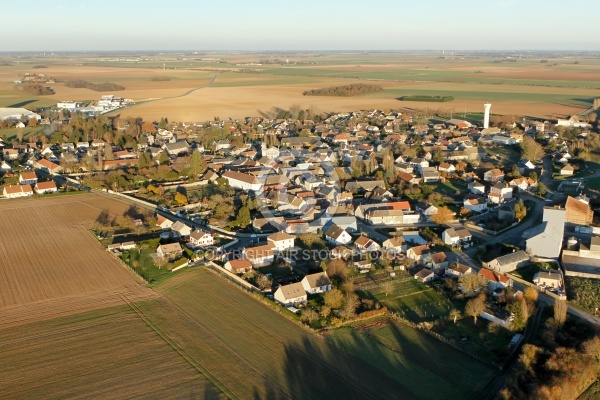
x=414 y=360
x=252 y=350
x=106 y=354
x=245 y=84
x=51 y=265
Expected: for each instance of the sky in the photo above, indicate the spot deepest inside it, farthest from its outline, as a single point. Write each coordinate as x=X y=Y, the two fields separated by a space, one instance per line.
x=261 y=25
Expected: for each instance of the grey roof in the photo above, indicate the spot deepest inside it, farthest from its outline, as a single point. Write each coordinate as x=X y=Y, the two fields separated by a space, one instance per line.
x=512 y=258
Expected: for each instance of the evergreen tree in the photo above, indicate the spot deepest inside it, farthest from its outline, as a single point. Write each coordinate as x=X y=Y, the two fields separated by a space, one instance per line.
x=197 y=164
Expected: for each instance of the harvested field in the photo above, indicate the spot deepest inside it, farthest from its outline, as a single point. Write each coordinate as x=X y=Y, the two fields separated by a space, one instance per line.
x=51 y=264
x=108 y=354
x=253 y=351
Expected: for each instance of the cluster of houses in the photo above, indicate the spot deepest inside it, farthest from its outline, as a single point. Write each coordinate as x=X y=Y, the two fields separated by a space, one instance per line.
x=107 y=103
x=28 y=185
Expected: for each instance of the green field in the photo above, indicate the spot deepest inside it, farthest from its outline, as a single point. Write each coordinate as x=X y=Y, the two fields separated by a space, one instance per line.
x=422 y=366
x=251 y=350
x=413 y=300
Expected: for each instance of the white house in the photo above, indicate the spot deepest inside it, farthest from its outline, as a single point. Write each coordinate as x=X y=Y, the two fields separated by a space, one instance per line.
x=171 y=250
x=45 y=187
x=454 y=237
x=425 y=275
x=14 y=191
x=202 y=238
x=567 y=170
x=180 y=229
x=163 y=222
x=475 y=205
x=337 y=235
x=395 y=245
x=316 y=283
x=238 y=266
x=476 y=187
x=281 y=241
x=260 y=255
x=417 y=253
x=457 y=269
x=365 y=244
x=552 y=279
x=289 y=295
x=28 y=178
x=243 y=181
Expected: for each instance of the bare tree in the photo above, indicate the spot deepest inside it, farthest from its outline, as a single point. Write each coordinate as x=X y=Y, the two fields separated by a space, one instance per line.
x=474 y=307
x=455 y=314
x=386 y=287
x=560 y=312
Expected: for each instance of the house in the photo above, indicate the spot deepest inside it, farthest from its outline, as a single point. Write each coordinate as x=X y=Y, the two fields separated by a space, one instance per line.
x=291 y=294
x=170 y=251
x=426 y=209
x=45 y=187
x=47 y=166
x=447 y=168
x=163 y=222
x=493 y=175
x=239 y=266
x=425 y=275
x=545 y=240
x=363 y=266
x=525 y=166
x=14 y=191
x=567 y=170
x=5 y=168
x=430 y=174
x=478 y=204
x=281 y=241
x=522 y=184
x=454 y=237
x=240 y=180
x=260 y=255
x=385 y=217
x=395 y=245
x=202 y=238
x=502 y=190
x=316 y=283
x=508 y=262
x=28 y=178
x=365 y=244
x=578 y=211
x=550 y=278
x=11 y=154
x=494 y=279
x=180 y=229
x=476 y=187
x=457 y=269
x=417 y=253
x=337 y=235
x=497 y=315
x=436 y=261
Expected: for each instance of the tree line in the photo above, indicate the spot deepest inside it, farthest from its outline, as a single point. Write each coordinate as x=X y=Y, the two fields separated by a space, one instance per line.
x=98 y=87
x=345 y=91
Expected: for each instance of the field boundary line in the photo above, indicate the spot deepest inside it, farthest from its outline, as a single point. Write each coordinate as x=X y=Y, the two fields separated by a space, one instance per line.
x=182 y=352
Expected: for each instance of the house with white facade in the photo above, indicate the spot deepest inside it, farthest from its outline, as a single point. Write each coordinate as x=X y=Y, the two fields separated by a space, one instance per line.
x=291 y=294
x=15 y=191
x=202 y=238
x=337 y=235
x=455 y=237
x=316 y=283
x=281 y=241
x=240 y=180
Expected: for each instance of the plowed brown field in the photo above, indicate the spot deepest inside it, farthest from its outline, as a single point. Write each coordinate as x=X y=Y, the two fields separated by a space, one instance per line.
x=107 y=354
x=51 y=265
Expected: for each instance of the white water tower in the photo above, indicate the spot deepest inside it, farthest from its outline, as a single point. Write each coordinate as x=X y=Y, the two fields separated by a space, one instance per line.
x=486 y=115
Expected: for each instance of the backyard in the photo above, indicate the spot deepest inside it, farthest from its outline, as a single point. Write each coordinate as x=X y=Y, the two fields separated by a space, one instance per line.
x=411 y=299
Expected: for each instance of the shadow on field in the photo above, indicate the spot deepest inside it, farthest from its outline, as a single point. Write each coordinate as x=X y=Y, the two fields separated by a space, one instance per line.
x=316 y=370
x=22 y=104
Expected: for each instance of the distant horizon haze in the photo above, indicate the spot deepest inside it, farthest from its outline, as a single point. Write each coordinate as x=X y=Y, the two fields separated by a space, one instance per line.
x=268 y=25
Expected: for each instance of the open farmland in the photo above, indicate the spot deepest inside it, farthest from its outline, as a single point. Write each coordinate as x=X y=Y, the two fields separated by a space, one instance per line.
x=254 y=352
x=52 y=265
x=244 y=85
x=107 y=354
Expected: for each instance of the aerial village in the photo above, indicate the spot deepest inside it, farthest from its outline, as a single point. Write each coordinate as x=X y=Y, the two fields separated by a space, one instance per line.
x=332 y=216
